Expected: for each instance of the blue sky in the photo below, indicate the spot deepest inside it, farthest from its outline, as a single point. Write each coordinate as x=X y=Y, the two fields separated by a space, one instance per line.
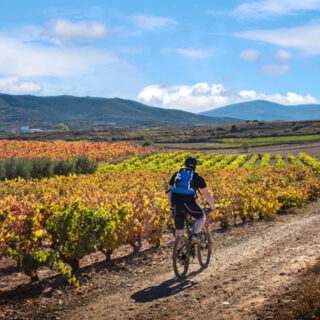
x=191 y=55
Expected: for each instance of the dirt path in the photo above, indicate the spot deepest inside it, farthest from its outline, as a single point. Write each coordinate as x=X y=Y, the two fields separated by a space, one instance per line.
x=252 y=263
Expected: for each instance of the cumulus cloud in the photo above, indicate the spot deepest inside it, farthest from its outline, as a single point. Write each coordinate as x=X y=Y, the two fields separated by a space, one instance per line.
x=84 y=30
x=191 y=53
x=291 y=98
x=267 y=8
x=15 y=85
x=204 y=96
x=251 y=55
x=193 y=98
x=295 y=98
x=151 y=22
x=275 y=69
x=304 y=38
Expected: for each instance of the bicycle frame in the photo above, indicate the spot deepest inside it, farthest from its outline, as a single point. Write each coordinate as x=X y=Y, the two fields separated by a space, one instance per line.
x=191 y=249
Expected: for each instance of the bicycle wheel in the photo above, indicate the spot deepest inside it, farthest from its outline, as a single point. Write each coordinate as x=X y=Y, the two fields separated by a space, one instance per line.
x=180 y=257
x=204 y=249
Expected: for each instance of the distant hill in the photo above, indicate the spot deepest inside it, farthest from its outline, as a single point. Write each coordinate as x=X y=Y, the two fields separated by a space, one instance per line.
x=266 y=111
x=87 y=112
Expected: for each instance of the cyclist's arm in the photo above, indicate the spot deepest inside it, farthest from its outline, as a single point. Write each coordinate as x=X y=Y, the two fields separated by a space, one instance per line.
x=169 y=197
x=208 y=197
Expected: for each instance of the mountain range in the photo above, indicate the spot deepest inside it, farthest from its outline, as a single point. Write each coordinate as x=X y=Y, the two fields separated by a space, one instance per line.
x=267 y=111
x=88 y=112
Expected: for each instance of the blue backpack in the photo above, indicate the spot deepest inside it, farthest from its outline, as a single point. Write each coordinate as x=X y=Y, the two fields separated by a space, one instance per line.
x=182 y=182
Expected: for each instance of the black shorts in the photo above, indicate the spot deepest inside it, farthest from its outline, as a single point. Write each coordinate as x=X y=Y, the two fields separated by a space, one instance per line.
x=183 y=205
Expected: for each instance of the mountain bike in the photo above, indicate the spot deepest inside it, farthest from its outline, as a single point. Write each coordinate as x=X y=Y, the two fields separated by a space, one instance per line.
x=184 y=249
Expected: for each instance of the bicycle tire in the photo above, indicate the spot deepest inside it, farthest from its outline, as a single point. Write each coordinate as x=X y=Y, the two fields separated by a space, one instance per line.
x=177 y=260
x=207 y=241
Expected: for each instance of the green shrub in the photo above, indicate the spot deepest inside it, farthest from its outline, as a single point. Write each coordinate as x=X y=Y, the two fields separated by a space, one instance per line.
x=42 y=168
x=11 y=168
x=2 y=170
x=23 y=168
x=64 y=167
x=83 y=165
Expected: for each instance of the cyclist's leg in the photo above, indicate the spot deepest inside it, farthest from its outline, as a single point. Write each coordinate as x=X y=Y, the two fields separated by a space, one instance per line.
x=179 y=216
x=179 y=223
x=196 y=211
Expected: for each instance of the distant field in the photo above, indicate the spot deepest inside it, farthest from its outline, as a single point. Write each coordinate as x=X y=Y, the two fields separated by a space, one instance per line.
x=291 y=131
x=271 y=140
x=305 y=143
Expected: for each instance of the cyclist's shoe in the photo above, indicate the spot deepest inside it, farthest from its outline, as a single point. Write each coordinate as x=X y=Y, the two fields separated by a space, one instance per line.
x=192 y=252
x=182 y=258
x=195 y=239
x=180 y=243
x=182 y=255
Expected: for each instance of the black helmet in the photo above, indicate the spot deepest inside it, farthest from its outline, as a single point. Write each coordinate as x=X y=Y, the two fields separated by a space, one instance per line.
x=191 y=163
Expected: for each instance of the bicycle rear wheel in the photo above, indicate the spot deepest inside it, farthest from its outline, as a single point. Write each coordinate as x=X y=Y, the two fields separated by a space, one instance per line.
x=180 y=257
x=204 y=249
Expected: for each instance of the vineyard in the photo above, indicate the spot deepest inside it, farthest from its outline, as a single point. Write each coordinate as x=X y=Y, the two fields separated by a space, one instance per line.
x=214 y=162
x=61 y=150
x=55 y=222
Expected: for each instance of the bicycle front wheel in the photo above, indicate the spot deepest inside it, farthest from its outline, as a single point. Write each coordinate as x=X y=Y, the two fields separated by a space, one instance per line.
x=180 y=257
x=204 y=249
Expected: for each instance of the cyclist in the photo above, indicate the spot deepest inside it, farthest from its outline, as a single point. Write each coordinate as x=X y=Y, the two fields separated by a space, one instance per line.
x=182 y=193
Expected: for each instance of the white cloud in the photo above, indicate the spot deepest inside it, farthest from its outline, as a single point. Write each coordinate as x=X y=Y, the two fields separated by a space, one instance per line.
x=304 y=38
x=64 y=67
x=191 y=53
x=275 y=69
x=82 y=30
x=203 y=96
x=291 y=98
x=18 y=58
x=16 y=86
x=248 y=94
x=251 y=55
x=193 y=98
x=267 y=8
x=151 y=22
x=294 y=98
x=283 y=55
x=62 y=31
